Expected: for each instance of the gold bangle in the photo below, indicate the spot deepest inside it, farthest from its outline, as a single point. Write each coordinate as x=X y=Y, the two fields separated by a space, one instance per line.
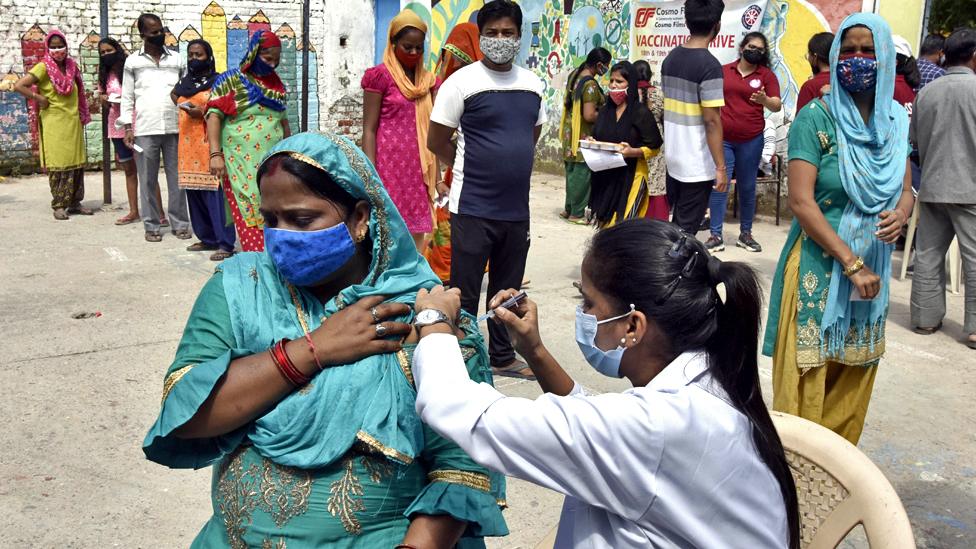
x=854 y=267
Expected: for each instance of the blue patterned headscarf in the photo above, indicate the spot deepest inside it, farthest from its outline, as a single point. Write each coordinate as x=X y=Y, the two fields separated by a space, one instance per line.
x=872 y=159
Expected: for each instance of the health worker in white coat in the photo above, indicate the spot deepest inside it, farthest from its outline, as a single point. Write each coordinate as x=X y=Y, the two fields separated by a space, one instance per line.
x=688 y=457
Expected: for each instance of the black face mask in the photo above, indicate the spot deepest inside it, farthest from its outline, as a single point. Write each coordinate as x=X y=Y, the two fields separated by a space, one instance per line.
x=110 y=59
x=753 y=56
x=198 y=66
x=157 y=40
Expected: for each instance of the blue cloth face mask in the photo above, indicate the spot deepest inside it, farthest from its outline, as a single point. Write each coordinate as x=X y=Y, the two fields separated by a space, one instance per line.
x=857 y=74
x=260 y=68
x=605 y=362
x=306 y=257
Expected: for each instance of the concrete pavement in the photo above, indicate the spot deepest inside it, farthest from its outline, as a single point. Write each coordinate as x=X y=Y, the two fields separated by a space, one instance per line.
x=79 y=393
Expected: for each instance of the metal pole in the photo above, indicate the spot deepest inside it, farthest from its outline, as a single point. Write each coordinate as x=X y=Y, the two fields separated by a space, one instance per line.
x=306 y=9
x=106 y=160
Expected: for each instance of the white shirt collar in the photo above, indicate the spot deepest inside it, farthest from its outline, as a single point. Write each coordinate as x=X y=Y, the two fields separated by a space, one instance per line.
x=688 y=367
x=166 y=52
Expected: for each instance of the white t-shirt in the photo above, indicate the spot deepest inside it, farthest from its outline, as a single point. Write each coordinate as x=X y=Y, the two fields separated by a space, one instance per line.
x=496 y=114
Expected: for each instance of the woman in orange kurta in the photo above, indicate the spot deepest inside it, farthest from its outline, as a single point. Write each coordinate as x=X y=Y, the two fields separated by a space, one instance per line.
x=461 y=49
x=207 y=212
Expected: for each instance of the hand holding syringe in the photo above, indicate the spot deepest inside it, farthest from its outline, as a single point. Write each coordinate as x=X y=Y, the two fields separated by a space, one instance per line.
x=510 y=304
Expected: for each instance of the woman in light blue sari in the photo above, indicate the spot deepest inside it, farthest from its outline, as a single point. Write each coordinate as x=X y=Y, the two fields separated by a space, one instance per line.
x=293 y=377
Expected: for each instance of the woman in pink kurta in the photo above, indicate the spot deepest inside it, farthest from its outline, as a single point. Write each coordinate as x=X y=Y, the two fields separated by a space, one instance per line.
x=392 y=125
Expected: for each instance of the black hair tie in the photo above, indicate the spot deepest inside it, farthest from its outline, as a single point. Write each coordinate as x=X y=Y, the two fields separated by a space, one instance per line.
x=714 y=270
x=715 y=278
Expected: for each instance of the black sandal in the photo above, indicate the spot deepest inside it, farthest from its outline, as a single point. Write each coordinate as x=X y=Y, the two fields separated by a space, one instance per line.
x=927 y=331
x=513 y=369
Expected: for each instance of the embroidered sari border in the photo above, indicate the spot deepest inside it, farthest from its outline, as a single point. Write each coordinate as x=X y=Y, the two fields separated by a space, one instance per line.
x=476 y=481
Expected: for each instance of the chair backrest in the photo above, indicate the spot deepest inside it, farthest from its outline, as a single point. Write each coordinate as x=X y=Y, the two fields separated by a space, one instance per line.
x=838 y=487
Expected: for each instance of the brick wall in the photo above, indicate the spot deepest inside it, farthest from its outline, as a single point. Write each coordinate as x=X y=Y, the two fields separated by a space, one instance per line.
x=336 y=69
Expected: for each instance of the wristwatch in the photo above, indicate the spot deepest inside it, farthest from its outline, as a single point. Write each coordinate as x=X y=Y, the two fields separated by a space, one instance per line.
x=429 y=317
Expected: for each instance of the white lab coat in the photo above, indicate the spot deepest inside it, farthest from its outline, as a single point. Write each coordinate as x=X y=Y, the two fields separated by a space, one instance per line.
x=671 y=464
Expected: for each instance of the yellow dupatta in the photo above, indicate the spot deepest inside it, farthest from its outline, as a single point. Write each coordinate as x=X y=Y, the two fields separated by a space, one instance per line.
x=418 y=91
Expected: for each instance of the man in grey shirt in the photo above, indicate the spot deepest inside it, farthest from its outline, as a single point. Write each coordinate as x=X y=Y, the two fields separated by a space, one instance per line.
x=944 y=129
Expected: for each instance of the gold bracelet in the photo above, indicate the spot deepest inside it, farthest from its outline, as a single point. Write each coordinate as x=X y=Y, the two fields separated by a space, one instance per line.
x=854 y=268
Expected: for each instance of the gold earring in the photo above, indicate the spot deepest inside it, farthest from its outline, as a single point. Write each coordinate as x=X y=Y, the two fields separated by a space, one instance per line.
x=361 y=236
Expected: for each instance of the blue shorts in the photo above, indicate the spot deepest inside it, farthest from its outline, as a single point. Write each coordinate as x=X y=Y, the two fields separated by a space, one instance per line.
x=122 y=153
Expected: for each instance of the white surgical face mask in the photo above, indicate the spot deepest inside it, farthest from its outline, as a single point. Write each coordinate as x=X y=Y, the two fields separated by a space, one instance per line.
x=605 y=362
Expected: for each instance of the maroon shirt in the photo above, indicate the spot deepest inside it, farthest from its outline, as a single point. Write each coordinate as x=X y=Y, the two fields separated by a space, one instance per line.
x=904 y=94
x=810 y=89
x=742 y=119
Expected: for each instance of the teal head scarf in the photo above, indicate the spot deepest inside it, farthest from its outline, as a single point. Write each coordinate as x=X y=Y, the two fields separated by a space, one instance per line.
x=872 y=160
x=370 y=402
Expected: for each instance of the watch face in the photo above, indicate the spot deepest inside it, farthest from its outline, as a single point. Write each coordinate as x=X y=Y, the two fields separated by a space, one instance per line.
x=427 y=315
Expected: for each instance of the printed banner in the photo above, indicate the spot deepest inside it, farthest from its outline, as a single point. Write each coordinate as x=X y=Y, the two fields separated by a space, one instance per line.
x=658 y=26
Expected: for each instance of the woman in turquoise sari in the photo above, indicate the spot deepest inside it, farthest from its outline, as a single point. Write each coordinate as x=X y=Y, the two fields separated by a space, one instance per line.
x=293 y=377
x=850 y=194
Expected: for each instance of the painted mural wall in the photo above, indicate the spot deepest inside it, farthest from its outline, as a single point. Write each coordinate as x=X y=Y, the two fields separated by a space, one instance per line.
x=334 y=93
x=557 y=35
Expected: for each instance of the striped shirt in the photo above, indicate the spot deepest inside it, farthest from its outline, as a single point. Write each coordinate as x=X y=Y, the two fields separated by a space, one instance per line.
x=691 y=78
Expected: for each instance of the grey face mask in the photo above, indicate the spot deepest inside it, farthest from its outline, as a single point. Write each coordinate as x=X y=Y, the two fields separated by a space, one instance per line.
x=499 y=50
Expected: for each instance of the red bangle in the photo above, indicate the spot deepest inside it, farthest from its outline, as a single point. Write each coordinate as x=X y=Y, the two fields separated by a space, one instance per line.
x=296 y=375
x=285 y=366
x=311 y=348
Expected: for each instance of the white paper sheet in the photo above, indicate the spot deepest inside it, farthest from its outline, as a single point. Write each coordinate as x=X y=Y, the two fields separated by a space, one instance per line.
x=602 y=160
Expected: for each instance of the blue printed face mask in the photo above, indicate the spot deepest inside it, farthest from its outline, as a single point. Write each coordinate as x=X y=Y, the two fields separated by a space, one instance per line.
x=306 y=257
x=857 y=73
x=605 y=362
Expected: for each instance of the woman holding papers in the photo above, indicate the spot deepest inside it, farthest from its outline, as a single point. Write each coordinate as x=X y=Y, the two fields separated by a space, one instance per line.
x=621 y=193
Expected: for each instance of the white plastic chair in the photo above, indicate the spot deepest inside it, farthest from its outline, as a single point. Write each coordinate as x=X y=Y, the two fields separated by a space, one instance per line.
x=838 y=488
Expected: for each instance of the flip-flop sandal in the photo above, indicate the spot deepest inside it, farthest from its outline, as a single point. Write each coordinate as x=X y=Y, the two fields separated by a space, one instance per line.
x=970 y=342
x=183 y=235
x=60 y=214
x=564 y=215
x=201 y=247
x=578 y=221
x=927 y=331
x=126 y=220
x=79 y=210
x=164 y=222
x=514 y=370
x=153 y=237
x=221 y=255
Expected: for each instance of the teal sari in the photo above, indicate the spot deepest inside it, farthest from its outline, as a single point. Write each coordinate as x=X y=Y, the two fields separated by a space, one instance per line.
x=344 y=461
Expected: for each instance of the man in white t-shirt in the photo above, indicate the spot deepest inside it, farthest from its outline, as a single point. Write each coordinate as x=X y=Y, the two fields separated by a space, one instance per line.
x=497 y=111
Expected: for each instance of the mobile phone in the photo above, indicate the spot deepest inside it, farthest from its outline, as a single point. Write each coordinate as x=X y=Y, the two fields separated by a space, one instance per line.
x=137 y=148
x=186 y=105
x=510 y=303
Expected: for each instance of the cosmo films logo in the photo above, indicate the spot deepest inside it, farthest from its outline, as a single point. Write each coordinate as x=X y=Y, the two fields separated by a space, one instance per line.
x=751 y=16
x=643 y=16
